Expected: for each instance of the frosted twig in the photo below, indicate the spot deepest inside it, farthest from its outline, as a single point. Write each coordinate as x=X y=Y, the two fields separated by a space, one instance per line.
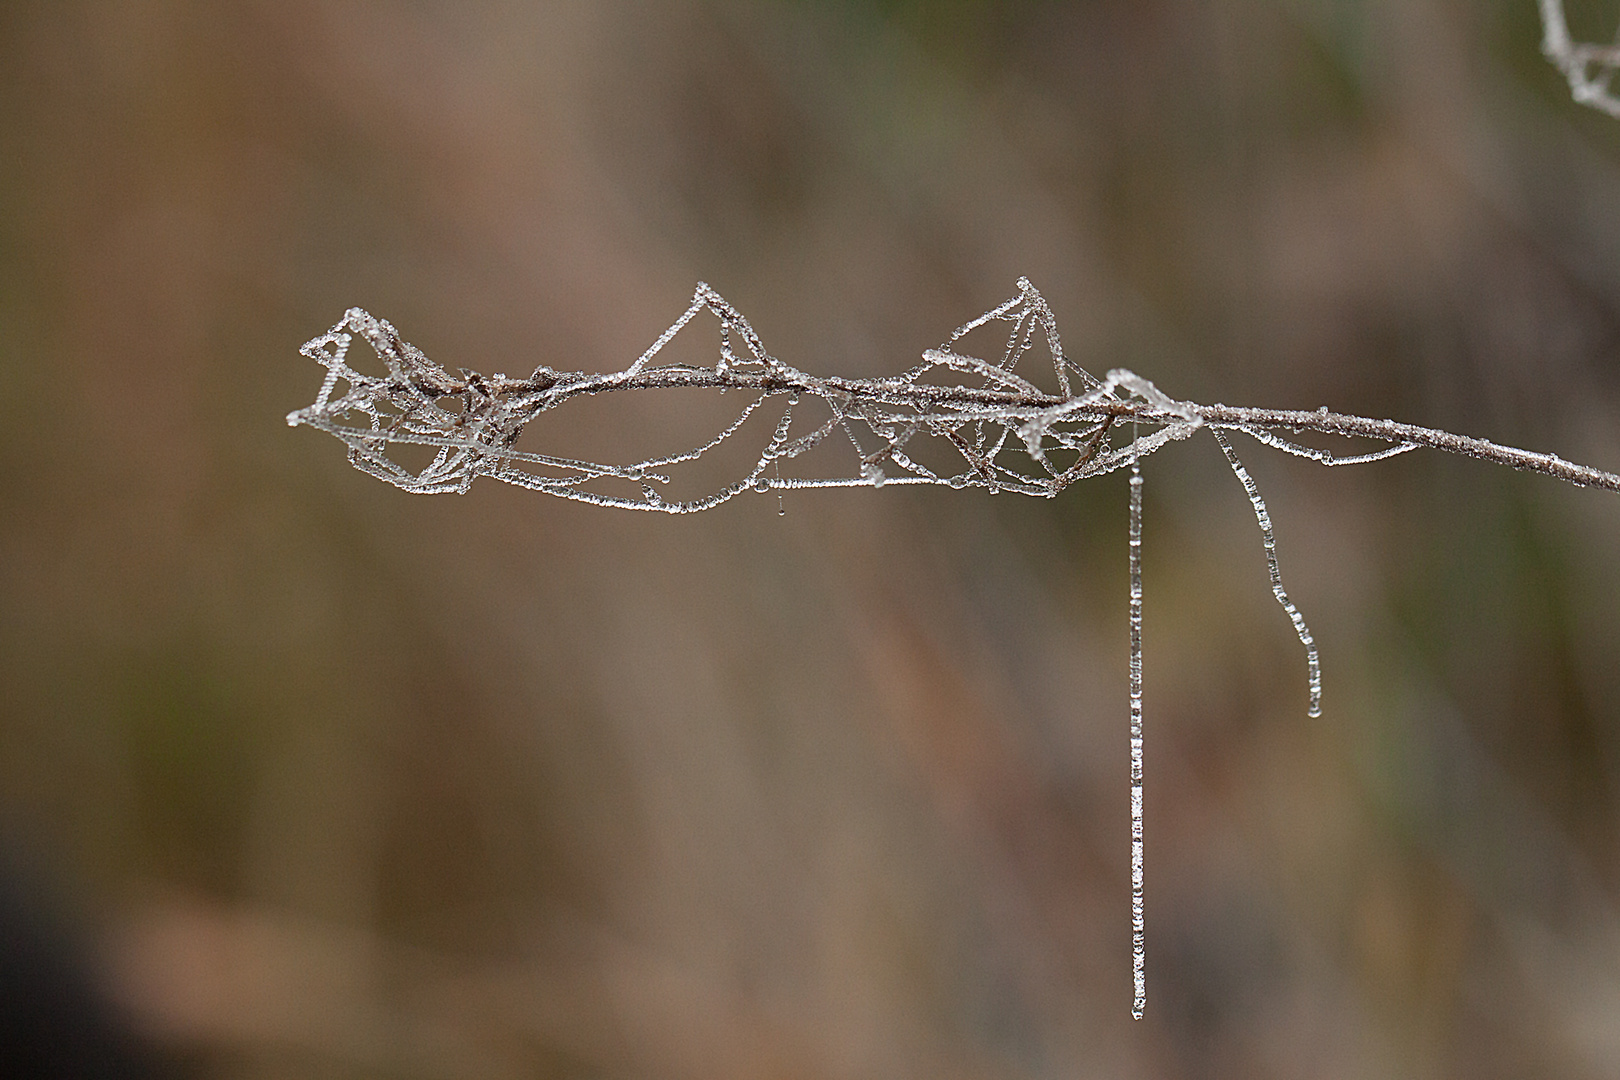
x=1588 y=68
x=475 y=420
x=1000 y=429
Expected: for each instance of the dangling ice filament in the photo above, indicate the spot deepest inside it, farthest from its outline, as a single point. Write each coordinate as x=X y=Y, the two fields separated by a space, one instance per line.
x=1270 y=541
x=1138 y=902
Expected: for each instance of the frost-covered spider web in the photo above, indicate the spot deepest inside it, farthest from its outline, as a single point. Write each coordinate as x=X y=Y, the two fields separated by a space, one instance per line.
x=979 y=421
x=1002 y=431
x=1590 y=69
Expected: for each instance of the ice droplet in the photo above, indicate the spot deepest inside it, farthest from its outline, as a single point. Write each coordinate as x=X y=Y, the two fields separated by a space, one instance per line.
x=873 y=474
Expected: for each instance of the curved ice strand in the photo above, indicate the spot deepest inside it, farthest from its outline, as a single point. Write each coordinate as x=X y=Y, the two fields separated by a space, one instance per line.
x=1260 y=515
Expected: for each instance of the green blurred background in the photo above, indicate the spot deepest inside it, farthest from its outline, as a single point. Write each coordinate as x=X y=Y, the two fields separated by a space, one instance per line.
x=331 y=781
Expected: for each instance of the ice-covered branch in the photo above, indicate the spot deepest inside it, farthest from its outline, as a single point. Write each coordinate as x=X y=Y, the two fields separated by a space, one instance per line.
x=1589 y=68
x=1008 y=434
x=991 y=427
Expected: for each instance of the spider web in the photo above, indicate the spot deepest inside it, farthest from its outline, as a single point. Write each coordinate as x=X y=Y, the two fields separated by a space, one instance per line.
x=1003 y=432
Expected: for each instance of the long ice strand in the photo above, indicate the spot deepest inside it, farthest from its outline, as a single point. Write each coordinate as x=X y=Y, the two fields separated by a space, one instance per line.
x=1260 y=515
x=1138 y=921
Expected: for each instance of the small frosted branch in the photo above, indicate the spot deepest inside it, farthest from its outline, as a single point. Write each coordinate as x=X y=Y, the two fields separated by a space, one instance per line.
x=475 y=420
x=1001 y=431
x=1589 y=69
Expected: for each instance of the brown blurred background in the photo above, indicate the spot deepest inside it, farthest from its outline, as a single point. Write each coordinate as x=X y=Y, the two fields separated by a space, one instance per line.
x=316 y=779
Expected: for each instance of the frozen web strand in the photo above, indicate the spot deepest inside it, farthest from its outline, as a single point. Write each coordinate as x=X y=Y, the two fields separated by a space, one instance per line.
x=1138 y=895
x=1323 y=457
x=1277 y=590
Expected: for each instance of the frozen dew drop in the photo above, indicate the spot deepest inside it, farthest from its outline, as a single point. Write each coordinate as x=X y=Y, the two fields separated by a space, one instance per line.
x=873 y=474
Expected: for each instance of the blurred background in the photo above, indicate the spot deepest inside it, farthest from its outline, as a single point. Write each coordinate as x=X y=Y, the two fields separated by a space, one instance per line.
x=301 y=776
